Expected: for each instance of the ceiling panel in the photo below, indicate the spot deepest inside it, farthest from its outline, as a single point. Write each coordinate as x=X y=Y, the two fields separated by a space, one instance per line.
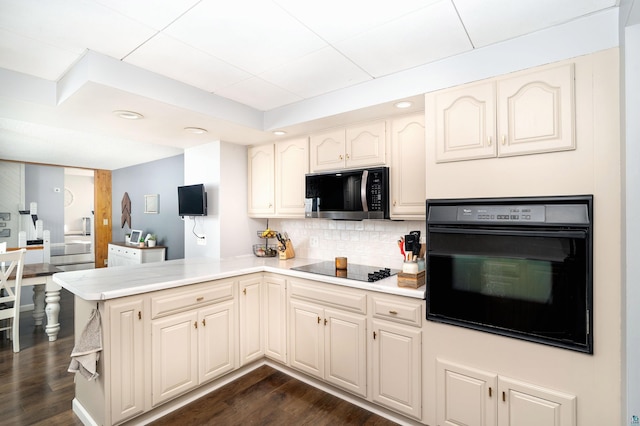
x=28 y=56
x=153 y=13
x=492 y=21
x=429 y=34
x=174 y=59
x=336 y=20
x=255 y=42
x=259 y=93
x=307 y=79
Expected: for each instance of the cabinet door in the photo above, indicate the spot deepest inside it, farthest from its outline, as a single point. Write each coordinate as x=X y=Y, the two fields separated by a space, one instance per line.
x=465 y=122
x=174 y=359
x=345 y=351
x=366 y=145
x=275 y=318
x=126 y=341
x=465 y=396
x=524 y=404
x=327 y=151
x=217 y=340
x=251 y=330
x=261 y=185
x=408 y=160
x=292 y=163
x=306 y=338
x=536 y=112
x=397 y=367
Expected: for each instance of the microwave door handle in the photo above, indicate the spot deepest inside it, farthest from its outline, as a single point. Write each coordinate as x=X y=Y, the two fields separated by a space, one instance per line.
x=363 y=190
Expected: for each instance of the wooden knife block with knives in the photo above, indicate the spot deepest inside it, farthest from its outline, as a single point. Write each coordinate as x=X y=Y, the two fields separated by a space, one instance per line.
x=285 y=247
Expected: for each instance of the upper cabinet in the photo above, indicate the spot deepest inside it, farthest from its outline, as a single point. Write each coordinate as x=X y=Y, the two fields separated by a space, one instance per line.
x=292 y=163
x=261 y=191
x=276 y=178
x=408 y=159
x=528 y=113
x=356 y=146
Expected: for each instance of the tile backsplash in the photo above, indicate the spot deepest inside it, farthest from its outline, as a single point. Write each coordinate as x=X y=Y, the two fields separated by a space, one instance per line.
x=368 y=242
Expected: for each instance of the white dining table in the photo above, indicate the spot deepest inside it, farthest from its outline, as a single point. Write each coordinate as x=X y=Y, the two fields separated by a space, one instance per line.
x=46 y=296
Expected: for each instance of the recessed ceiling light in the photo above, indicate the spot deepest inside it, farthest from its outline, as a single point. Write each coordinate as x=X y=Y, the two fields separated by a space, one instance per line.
x=128 y=115
x=195 y=130
x=279 y=132
x=403 y=104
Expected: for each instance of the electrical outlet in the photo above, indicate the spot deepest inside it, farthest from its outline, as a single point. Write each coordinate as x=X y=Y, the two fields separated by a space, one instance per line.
x=313 y=242
x=202 y=241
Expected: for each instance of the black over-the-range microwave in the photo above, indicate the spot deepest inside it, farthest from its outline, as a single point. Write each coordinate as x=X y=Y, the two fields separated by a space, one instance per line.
x=348 y=194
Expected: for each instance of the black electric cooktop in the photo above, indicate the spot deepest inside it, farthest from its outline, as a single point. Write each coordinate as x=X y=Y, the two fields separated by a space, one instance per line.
x=356 y=272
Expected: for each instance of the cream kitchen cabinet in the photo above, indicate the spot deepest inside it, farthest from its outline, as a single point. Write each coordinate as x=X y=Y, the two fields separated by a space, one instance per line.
x=275 y=318
x=126 y=362
x=251 y=319
x=530 y=112
x=261 y=181
x=121 y=254
x=292 y=163
x=356 y=146
x=468 y=396
x=327 y=342
x=396 y=346
x=407 y=171
x=193 y=338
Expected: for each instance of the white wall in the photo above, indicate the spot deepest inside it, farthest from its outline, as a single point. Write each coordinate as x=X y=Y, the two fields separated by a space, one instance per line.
x=222 y=168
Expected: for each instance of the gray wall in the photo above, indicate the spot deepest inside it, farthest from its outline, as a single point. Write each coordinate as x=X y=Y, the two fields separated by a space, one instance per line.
x=160 y=177
x=40 y=184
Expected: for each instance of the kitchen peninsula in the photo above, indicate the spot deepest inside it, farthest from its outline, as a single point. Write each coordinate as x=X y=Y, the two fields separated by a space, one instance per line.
x=176 y=330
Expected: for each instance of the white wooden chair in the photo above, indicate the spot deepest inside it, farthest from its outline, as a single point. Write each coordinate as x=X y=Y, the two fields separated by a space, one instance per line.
x=11 y=262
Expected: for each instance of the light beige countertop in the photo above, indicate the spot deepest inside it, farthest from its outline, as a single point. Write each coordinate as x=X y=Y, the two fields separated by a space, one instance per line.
x=115 y=282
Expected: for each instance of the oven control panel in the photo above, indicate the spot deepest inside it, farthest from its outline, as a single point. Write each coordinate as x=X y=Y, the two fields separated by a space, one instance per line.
x=512 y=214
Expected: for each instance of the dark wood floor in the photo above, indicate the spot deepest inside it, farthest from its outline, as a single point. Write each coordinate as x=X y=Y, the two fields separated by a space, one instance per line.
x=36 y=389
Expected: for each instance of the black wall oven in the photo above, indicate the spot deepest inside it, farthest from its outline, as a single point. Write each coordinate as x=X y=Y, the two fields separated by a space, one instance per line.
x=520 y=267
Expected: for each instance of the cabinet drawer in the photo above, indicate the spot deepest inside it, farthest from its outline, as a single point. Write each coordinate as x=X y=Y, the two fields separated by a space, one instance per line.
x=355 y=301
x=174 y=301
x=402 y=312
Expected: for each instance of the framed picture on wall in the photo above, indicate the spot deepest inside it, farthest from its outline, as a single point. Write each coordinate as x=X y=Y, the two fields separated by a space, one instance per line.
x=135 y=236
x=151 y=204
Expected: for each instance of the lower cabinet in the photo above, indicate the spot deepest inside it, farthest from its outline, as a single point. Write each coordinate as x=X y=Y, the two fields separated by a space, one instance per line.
x=275 y=318
x=327 y=334
x=251 y=319
x=396 y=346
x=126 y=366
x=468 y=396
x=195 y=345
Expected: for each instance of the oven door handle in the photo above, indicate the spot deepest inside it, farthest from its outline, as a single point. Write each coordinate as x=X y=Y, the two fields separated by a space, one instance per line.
x=563 y=233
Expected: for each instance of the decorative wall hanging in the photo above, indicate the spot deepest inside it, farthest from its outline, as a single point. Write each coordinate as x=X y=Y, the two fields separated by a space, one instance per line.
x=126 y=210
x=151 y=204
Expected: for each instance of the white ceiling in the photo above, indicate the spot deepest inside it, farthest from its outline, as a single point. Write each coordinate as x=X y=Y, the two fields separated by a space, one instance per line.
x=220 y=65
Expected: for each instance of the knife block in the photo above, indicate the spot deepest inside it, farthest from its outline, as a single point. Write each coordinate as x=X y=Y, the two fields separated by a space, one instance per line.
x=288 y=252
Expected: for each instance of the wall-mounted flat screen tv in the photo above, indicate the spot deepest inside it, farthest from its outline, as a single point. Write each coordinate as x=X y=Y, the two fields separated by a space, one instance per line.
x=192 y=200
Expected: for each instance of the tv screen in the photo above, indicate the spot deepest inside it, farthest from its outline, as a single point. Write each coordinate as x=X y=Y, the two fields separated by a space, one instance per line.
x=192 y=200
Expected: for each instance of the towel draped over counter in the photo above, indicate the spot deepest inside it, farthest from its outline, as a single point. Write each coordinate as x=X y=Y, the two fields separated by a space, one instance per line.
x=86 y=352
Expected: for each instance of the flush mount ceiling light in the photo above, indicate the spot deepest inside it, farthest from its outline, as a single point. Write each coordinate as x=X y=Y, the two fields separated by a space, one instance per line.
x=403 y=104
x=195 y=130
x=128 y=115
x=279 y=132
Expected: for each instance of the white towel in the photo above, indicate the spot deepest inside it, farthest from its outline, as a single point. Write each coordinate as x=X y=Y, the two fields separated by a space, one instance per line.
x=86 y=352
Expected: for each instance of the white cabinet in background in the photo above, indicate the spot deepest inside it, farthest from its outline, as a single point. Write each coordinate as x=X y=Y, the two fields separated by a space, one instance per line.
x=468 y=396
x=357 y=146
x=528 y=113
x=407 y=172
x=121 y=254
x=261 y=182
